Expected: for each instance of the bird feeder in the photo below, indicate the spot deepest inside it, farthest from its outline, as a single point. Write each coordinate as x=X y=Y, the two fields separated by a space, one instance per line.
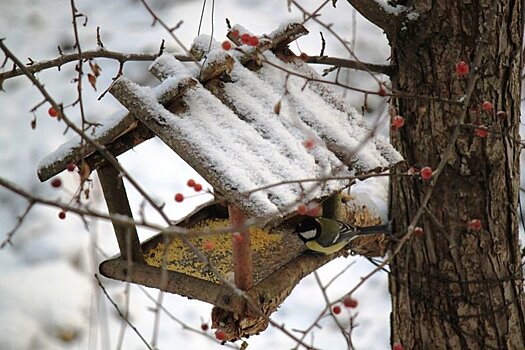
x=248 y=120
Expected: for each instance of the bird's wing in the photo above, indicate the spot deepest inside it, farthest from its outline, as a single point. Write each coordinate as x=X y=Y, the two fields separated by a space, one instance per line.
x=346 y=232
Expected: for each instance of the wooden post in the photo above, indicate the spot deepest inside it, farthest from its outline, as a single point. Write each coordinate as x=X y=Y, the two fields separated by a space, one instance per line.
x=118 y=204
x=242 y=254
x=333 y=207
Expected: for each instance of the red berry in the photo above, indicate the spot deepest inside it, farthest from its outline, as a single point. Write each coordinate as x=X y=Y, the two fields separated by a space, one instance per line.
x=336 y=310
x=426 y=173
x=52 y=112
x=226 y=45
x=197 y=187
x=179 y=197
x=474 y=225
x=397 y=122
x=245 y=38
x=313 y=211
x=350 y=302
x=482 y=131
x=462 y=68
x=486 y=106
x=71 y=166
x=303 y=56
x=381 y=92
x=309 y=144
x=204 y=327
x=208 y=245
x=302 y=209
x=220 y=335
x=237 y=237
x=56 y=183
x=235 y=34
x=418 y=231
x=254 y=41
x=397 y=346
x=191 y=183
x=501 y=115
x=62 y=215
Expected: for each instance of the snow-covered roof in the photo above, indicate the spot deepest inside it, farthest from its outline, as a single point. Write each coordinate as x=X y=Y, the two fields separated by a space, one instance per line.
x=252 y=132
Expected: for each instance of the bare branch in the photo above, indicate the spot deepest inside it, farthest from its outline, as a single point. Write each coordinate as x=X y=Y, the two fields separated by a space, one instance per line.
x=86 y=55
x=341 y=62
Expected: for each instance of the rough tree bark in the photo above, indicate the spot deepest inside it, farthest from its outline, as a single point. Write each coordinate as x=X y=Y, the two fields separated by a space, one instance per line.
x=456 y=288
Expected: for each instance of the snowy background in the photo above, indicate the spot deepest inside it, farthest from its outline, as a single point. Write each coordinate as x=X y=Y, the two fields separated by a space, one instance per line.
x=49 y=298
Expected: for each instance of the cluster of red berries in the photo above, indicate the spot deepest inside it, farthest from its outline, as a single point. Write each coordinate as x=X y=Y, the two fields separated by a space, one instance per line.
x=425 y=172
x=179 y=197
x=196 y=186
x=57 y=183
x=246 y=39
x=250 y=40
x=312 y=210
x=348 y=302
x=397 y=346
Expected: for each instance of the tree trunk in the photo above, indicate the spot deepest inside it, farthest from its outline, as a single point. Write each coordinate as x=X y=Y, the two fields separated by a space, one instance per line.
x=456 y=287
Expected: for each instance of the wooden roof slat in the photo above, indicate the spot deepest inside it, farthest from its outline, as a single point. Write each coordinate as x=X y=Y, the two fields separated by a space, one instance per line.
x=119 y=134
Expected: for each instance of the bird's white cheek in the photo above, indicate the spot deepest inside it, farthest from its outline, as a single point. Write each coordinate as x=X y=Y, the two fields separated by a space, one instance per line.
x=308 y=234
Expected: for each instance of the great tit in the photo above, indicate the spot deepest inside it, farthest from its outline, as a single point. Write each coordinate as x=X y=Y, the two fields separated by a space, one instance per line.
x=327 y=236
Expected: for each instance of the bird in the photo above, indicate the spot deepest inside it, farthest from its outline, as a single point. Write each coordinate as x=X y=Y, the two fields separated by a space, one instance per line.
x=327 y=236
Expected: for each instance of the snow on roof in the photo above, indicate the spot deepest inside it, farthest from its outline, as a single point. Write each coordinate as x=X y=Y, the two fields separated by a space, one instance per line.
x=230 y=133
x=120 y=120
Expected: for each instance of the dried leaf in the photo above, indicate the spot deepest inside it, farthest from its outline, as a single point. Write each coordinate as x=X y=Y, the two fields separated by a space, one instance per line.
x=277 y=107
x=95 y=68
x=85 y=171
x=93 y=81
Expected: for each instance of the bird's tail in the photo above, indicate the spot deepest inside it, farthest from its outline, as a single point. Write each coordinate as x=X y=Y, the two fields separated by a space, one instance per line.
x=377 y=229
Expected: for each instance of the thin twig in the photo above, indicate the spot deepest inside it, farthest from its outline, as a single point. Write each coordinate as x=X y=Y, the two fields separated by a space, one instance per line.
x=19 y=223
x=121 y=314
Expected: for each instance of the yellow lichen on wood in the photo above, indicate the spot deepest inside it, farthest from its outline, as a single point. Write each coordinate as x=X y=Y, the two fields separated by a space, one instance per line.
x=217 y=248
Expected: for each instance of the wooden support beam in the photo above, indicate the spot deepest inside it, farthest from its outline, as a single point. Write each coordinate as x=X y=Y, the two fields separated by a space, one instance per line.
x=333 y=208
x=118 y=204
x=242 y=254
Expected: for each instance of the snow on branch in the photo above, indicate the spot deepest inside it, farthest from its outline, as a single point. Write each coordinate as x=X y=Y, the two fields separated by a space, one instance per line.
x=387 y=17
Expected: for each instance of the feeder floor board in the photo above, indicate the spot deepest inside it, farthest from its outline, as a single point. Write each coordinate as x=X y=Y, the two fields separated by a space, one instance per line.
x=270 y=251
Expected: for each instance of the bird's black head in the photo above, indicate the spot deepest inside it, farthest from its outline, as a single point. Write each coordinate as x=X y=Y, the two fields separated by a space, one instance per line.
x=308 y=229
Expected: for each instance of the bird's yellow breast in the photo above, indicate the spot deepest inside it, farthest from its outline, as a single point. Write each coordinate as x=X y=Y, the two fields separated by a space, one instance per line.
x=316 y=247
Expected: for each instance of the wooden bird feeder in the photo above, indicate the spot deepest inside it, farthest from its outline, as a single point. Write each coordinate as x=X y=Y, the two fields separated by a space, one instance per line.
x=240 y=118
